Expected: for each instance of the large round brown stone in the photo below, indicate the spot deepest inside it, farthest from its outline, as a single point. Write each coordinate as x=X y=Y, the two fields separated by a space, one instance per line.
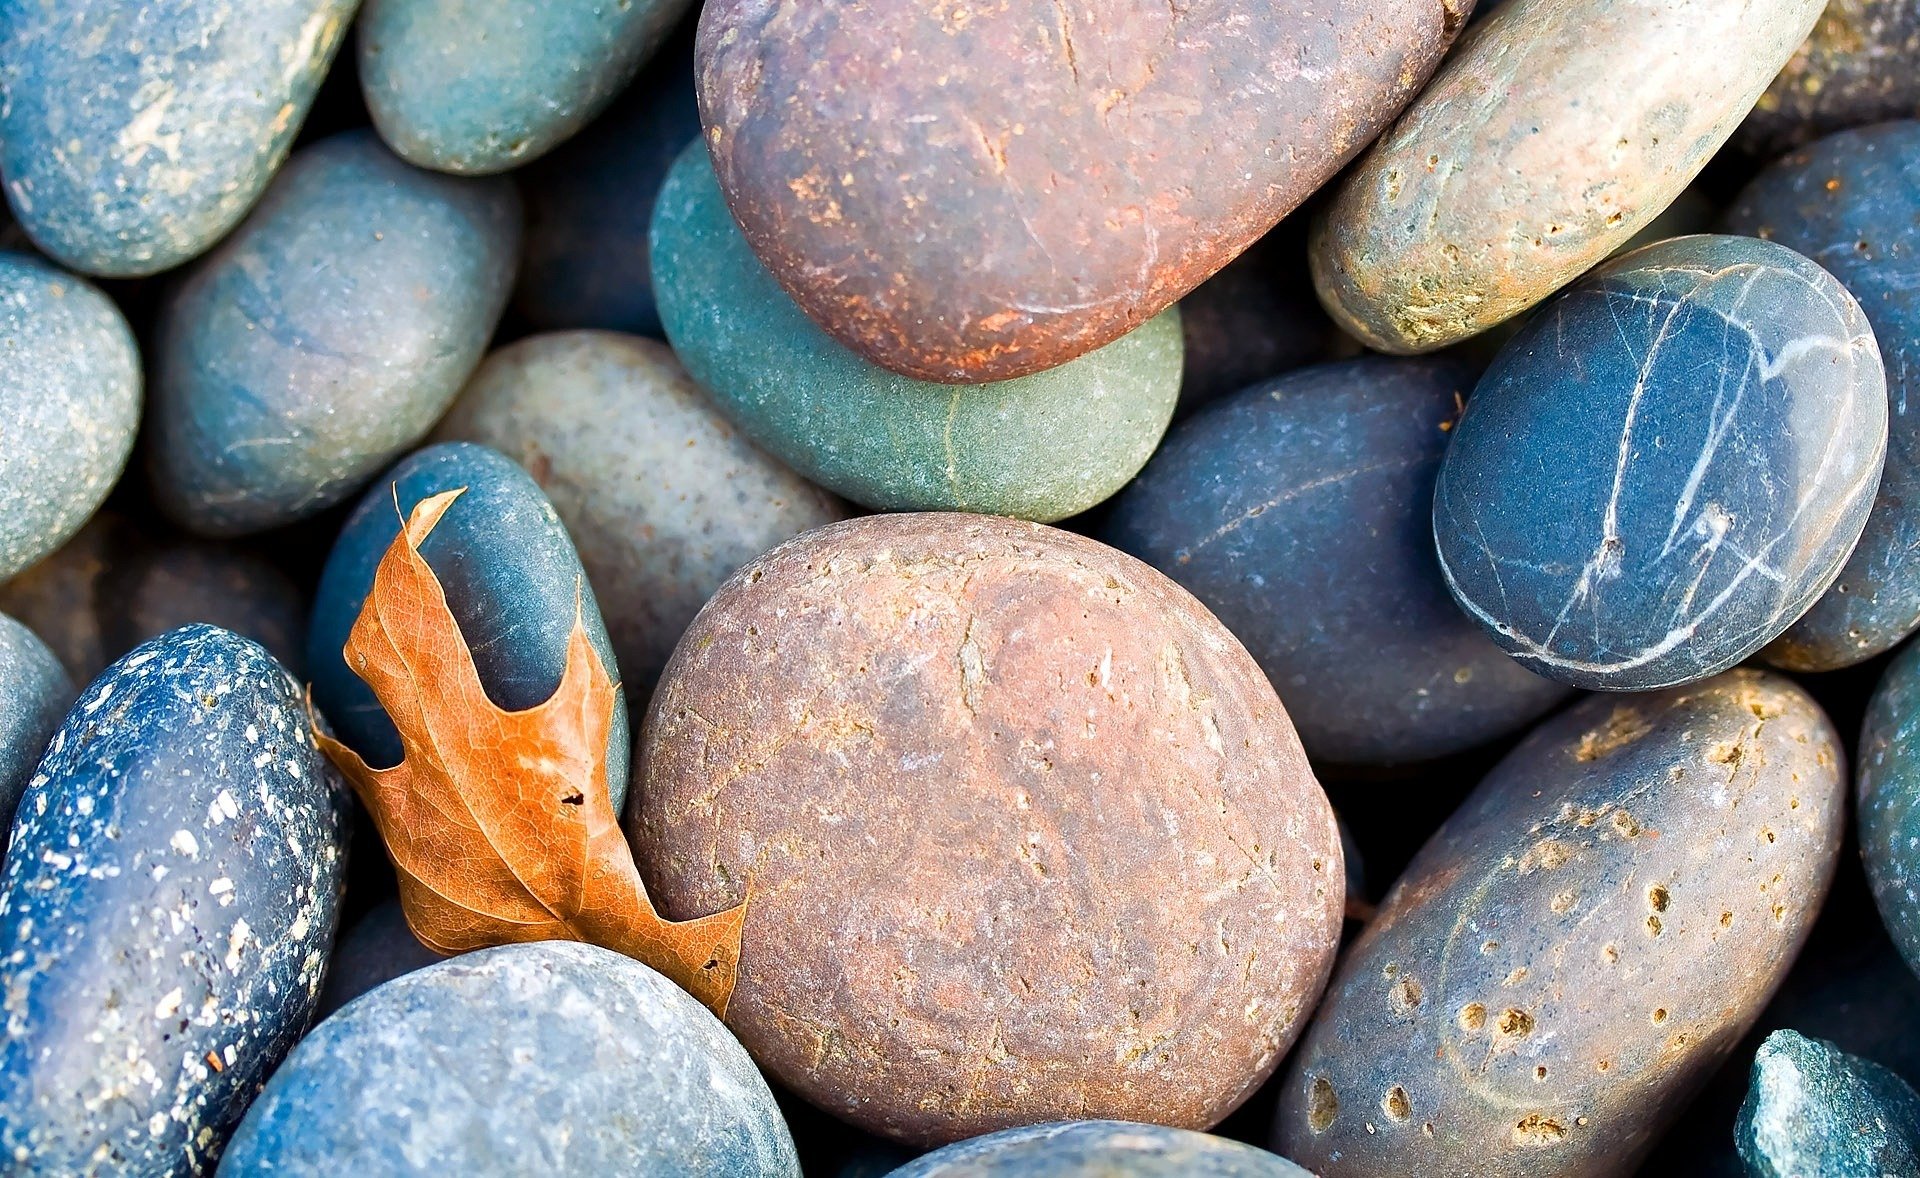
x=977 y=191
x=1025 y=834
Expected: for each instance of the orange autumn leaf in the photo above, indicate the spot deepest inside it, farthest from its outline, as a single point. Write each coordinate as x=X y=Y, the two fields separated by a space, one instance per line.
x=499 y=823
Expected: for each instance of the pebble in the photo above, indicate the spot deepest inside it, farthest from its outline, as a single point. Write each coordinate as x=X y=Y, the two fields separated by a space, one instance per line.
x=544 y=1058
x=1099 y=1149
x=1021 y=184
x=664 y=497
x=1860 y=65
x=135 y=136
x=371 y=952
x=34 y=694
x=1254 y=320
x=1316 y=490
x=166 y=910
x=1584 y=939
x=510 y=575
x=480 y=88
x=1554 y=134
x=324 y=337
x=1029 y=835
x=1042 y=447
x=1666 y=466
x=1851 y=203
x=1815 y=1110
x=69 y=405
x=1888 y=788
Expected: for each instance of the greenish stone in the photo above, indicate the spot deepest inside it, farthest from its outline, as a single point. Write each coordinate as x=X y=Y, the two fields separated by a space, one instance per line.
x=1039 y=447
x=1815 y=1110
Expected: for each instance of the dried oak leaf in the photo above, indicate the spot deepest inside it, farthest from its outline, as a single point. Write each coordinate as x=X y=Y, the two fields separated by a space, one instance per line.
x=499 y=823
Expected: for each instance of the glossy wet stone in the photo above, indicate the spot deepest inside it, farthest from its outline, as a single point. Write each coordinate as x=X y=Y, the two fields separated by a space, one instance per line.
x=1889 y=788
x=663 y=496
x=1666 y=466
x=325 y=336
x=1508 y=178
x=1815 y=1110
x=1099 y=1149
x=34 y=694
x=1301 y=513
x=116 y=584
x=510 y=575
x=166 y=911
x=70 y=401
x=947 y=751
x=371 y=952
x=1025 y=183
x=1860 y=65
x=1255 y=319
x=1851 y=202
x=589 y=202
x=135 y=136
x=1579 y=946
x=480 y=88
x=551 y=1057
x=1041 y=447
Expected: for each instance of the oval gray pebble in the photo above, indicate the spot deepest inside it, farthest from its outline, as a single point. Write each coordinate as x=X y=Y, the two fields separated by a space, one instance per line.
x=34 y=694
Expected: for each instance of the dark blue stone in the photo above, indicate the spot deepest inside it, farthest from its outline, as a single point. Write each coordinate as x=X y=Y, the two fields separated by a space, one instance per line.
x=325 y=336
x=34 y=694
x=1099 y=1149
x=1666 y=466
x=1851 y=202
x=546 y=1058
x=134 y=136
x=169 y=898
x=512 y=579
x=1300 y=512
x=589 y=203
x=478 y=88
x=1255 y=319
x=69 y=405
x=1814 y=1111
x=373 y=951
x=1887 y=781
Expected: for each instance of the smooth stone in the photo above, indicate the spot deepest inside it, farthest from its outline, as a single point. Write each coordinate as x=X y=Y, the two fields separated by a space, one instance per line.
x=1042 y=447
x=480 y=88
x=1099 y=1149
x=1815 y=1110
x=510 y=575
x=1888 y=799
x=544 y=1058
x=589 y=202
x=1016 y=185
x=1547 y=141
x=373 y=951
x=34 y=694
x=325 y=336
x=1301 y=513
x=1851 y=203
x=114 y=586
x=1860 y=65
x=70 y=401
x=1586 y=938
x=663 y=496
x=135 y=136
x=166 y=910
x=1254 y=320
x=1667 y=466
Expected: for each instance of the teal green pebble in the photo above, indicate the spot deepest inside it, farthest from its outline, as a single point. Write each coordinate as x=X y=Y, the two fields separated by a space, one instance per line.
x=1039 y=447
x=325 y=336
x=1887 y=793
x=477 y=88
x=69 y=405
x=136 y=135
x=1813 y=1111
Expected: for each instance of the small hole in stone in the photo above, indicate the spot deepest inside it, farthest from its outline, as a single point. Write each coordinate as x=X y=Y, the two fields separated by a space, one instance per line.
x=1473 y=1016
x=1659 y=1016
x=1540 y=1073
x=1395 y=1104
x=1657 y=898
x=1322 y=1104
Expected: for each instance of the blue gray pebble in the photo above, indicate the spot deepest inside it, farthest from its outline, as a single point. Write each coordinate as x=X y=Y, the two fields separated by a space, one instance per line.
x=1666 y=466
x=544 y=1058
x=325 y=336
x=479 y=88
x=34 y=694
x=69 y=405
x=1851 y=202
x=1887 y=786
x=1813 y=1111
x=512 y=579
x=1099 y=1149
x=169 y=898
x=372 y=951
x=135 y=136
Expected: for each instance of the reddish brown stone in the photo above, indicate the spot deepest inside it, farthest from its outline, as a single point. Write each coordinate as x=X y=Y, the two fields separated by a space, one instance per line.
x=1027 y=835
x=971 y=191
